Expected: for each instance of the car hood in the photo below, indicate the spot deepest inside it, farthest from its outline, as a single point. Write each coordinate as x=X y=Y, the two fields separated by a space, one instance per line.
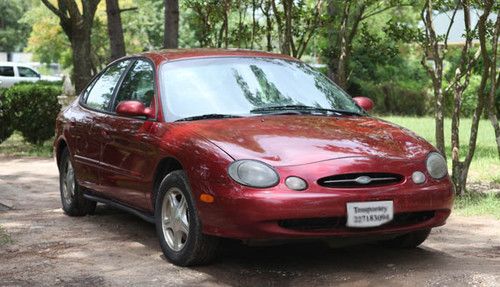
x=293 y=140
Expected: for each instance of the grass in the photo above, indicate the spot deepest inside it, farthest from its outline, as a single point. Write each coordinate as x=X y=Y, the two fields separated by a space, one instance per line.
x=4 y=237
x=17 y=146
x=485 y=166
x=478 y=204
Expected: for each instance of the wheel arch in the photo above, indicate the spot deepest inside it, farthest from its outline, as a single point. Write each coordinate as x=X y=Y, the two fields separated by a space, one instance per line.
x=164 y=167
x=60 y=146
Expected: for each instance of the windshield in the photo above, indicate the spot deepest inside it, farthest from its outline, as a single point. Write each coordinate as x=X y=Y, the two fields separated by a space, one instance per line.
x=244 y=86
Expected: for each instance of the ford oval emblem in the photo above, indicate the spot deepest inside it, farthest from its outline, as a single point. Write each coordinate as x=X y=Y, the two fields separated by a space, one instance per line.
x=363 y=179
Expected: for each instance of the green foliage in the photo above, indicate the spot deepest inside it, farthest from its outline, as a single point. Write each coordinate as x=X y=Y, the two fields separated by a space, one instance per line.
x=47 y=41
x=395 y=100
x=144 y=27
x=13 y=34
x=5 y=118
x=478 y=204
x=33 y=109
x=386 y=71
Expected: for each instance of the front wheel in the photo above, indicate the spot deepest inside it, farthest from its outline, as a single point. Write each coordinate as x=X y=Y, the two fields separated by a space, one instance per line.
x=409 y=240
x=73 y=202
x=178 y=225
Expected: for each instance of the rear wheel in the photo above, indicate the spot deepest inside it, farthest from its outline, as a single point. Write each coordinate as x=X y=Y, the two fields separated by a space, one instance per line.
x=409 y=240
x=178 y=225
x=73 y=202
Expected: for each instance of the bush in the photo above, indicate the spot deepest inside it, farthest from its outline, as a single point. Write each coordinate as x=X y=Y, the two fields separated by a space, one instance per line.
x=395 y=100
x=5 y=118
x=33 y=109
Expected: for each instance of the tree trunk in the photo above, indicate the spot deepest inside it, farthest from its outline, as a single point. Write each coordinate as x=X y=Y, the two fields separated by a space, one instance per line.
x=436 y=73
x=269 y=28
x=287 y=39
x=171 y=35
x=115 y=30
x=279 y=25
x=340 y=75
x=439 y=114
x=82 y=66
x=78 y=27
x=461 y=170
x=495 y=79
x=254 y=24
x=463 y=71
x=492 y=115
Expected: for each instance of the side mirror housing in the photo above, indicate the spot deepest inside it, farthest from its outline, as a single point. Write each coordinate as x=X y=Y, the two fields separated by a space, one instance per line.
x=364 y=102
x=133 y=109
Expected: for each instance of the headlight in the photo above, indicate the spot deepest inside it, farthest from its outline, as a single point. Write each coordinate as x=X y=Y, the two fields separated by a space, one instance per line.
x=253 y=173
x=436 y=165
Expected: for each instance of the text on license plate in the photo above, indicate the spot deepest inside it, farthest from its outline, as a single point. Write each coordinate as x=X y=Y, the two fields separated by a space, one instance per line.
x=369 y=213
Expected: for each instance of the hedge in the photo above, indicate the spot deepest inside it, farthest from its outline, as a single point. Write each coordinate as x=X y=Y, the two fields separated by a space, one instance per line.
x=30 y=108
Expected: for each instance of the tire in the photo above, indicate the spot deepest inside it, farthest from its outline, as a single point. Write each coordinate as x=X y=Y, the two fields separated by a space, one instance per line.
x=73 y=202
x=409 y=240
x=178 y=225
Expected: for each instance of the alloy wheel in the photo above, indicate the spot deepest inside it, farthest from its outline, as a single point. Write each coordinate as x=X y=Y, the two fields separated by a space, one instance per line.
x=68 y=186
x=174 y=219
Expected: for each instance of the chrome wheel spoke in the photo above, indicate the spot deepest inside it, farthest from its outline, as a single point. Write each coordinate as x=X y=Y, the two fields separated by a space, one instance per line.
x=184 y=226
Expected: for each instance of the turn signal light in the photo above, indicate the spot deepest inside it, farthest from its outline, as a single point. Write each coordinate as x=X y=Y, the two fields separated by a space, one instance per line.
x=207 y=198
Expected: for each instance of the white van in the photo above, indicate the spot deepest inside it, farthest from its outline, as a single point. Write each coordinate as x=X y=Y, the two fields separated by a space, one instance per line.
x=11 y=73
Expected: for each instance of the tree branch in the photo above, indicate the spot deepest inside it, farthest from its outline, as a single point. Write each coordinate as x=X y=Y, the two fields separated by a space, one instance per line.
x=54 y=10
x=73 y=10
x=452 y=20
x=129 y=9
x=368 y=15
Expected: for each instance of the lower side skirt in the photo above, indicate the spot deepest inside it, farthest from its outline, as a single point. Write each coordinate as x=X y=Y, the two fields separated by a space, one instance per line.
x=145 y=216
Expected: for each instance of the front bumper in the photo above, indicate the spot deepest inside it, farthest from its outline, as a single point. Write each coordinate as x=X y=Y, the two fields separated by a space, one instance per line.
x=281 y=213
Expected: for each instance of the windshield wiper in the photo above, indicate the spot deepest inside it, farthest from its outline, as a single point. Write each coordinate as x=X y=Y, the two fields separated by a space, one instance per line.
x=207 y=116
x=280 y=109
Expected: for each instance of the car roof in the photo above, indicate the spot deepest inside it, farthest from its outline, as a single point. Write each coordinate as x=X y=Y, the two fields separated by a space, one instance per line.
x=15 y=64
x=180 y=54
x=8 y=64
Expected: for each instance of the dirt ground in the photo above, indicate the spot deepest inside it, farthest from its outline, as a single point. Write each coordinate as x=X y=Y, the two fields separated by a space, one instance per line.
x=112 y=248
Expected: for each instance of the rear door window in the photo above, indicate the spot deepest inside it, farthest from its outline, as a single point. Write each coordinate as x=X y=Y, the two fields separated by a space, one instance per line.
x=101 y=93
x=6 y=71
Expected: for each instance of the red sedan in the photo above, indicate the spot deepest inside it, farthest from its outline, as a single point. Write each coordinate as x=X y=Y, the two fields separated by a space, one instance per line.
x=245 y=145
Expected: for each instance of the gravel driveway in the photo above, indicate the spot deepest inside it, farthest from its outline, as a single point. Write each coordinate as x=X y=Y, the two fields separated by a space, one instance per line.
x=112 y=248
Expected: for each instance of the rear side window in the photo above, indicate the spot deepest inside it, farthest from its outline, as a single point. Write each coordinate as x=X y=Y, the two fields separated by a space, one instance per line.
x=101 y=93
x=138 y=85
x=27 y=72
x=6 y=71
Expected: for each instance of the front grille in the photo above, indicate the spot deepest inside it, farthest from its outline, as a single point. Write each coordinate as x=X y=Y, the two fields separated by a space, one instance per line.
x=353 y=180
x=325 y=223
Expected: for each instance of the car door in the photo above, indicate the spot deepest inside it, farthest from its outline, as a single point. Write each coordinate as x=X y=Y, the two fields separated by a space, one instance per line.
x=88 y=125
x=26 y=74
x=7 y=76
x=127 y=155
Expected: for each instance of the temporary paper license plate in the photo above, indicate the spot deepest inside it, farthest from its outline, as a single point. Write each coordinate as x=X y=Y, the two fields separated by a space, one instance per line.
x=369 y=213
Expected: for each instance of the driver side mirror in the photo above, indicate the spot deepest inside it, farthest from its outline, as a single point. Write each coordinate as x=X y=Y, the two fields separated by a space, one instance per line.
x=364 y=102
x=134 y=109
